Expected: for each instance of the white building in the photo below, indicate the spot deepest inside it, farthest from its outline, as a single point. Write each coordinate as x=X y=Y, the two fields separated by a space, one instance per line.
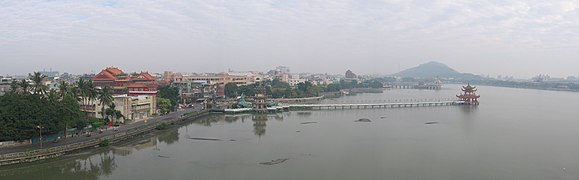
x=131 y=107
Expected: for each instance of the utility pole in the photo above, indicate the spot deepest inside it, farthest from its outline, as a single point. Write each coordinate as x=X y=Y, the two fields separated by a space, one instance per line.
x=40 y=128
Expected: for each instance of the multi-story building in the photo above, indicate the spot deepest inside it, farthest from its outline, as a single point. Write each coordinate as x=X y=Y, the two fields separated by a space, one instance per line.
x=214 y=79
x=197 y=85
x=131 y=107
x=191 y=91
x=294 y=80
x=291 y=79
x=281 y=70
x=134 y=84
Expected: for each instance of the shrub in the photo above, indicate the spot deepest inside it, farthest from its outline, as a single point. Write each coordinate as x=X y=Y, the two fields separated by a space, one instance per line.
x=162 y=126
x=104 y=143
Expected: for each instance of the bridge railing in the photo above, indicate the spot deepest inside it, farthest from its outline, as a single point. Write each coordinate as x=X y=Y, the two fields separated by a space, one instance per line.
x=410 y=100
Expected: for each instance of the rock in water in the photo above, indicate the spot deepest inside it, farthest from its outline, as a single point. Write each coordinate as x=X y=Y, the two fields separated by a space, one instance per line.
x=309 y=122
x=205 y=139
x=432 y=122
x=363 y=120
x=274 y=162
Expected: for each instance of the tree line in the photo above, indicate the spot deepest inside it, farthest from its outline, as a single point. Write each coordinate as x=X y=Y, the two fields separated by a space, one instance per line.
x=31 y=105
x=278 y=89
x=274 y=88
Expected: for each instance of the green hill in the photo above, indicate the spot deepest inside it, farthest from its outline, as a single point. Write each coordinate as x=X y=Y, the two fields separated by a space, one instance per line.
x=435 y=69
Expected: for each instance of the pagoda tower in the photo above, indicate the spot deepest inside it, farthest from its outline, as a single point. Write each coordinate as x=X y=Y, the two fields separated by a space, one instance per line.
x=469 y=96
x=260 y=99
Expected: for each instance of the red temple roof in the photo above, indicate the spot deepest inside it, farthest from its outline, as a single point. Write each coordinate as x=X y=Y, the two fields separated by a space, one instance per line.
x=469 y=87
x=104 y=75
x=148 y=76
x=114 y=71
x=112 y=74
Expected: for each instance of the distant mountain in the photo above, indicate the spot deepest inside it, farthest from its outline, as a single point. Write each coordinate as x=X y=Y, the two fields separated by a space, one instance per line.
x=435 y=69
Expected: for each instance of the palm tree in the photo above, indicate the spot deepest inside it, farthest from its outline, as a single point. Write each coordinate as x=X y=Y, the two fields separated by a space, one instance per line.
x=64 y=89
x=39 y=87
x=105 y=96
x=86 y=91
x=80 y=92
x=14 y=87
x=74 y=92
x=91 y=92
x=52 y=95
x=80 y=87
x=25 y=86
x=113 y=113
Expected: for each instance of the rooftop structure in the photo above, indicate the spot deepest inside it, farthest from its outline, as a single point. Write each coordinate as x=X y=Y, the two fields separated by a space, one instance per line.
x=136 y=83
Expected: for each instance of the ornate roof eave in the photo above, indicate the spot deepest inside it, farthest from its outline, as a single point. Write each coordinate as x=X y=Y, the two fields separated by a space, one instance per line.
x=469 y=90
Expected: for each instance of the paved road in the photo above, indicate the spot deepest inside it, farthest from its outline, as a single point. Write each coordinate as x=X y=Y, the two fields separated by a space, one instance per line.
x=107 y=132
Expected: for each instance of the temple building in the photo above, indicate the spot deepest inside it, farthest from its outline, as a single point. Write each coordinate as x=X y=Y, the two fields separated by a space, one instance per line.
x=134 y=84
x=469 y=96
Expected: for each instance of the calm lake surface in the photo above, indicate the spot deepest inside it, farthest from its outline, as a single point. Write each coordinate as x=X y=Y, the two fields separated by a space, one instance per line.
x=512 y=134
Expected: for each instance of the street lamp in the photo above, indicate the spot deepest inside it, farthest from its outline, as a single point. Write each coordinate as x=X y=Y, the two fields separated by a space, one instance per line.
x=40 y=128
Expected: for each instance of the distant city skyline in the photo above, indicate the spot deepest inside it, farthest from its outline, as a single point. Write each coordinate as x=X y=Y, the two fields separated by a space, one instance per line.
x=514 y=38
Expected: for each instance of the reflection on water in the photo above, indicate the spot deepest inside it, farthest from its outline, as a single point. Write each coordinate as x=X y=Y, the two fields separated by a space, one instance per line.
x=304 y=113
x=259 y=120
x=83 y=167
x=259 y=123
x=467 y=109
x=170 y=136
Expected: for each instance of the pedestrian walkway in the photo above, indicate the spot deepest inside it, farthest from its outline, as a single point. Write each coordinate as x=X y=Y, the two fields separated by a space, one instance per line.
x=109 y=131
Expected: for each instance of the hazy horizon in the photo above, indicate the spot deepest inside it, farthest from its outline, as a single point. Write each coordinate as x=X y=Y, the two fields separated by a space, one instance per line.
x=515 y=38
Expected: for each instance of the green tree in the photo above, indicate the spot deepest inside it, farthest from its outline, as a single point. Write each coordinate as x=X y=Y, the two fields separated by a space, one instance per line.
x=64 y=89
x=86 y=91
x=164 y=105
x=21 y=113
x=113 y=113
x=333 y=88
x=105 y=96
x=25 y=86
x=230 y=90
x=14 y=86
x=38 y=86
x=277 y=83
x=248 y=90
x=70 y=112
x=171 y=93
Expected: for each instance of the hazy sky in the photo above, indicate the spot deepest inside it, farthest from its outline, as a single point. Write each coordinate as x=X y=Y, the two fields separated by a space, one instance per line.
x=520 y=38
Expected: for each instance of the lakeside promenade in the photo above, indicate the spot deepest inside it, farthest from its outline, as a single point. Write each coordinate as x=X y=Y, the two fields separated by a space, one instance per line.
x=79 y=139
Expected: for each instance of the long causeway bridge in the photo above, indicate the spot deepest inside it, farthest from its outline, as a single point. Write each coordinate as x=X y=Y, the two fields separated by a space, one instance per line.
x=373 y=105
